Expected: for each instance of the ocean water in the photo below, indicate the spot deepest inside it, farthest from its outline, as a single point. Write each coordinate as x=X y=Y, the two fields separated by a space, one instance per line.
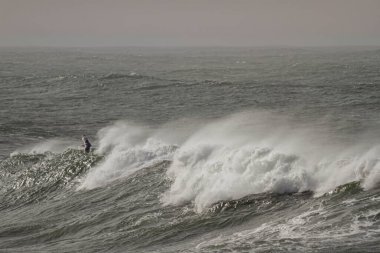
x=195 y=150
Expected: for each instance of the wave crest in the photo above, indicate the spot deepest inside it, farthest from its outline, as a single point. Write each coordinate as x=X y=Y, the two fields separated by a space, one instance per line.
x=207 y=174
x=236 y=157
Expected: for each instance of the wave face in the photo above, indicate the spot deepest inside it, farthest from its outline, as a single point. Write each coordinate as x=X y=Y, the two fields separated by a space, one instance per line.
x=29 y=178
x=217 y=150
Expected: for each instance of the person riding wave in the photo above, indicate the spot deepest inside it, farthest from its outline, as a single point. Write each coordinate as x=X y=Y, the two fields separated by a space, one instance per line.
x=86 y=144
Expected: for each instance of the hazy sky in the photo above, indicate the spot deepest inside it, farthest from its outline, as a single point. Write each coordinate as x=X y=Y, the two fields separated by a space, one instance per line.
x=189 y=22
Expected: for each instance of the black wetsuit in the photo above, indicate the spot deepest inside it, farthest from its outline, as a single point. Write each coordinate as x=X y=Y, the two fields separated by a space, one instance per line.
x=87 y=146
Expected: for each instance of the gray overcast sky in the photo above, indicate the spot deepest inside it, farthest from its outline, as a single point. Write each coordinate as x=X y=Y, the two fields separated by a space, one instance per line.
x=189 y=22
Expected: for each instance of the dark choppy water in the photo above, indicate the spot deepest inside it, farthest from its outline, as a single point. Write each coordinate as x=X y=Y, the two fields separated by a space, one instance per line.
x=197 y=150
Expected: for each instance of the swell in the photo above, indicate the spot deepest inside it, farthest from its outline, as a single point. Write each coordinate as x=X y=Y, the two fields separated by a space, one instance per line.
x=27 y=178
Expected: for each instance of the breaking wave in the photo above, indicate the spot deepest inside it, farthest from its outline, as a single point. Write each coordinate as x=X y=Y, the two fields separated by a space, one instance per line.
x=222 y=160
x=127 y=148
x=232 y=183
x=238 y=156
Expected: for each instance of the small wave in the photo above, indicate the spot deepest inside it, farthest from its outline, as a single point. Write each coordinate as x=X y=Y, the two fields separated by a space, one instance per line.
x=302 y=227
x=111 y=76
x=56 y=79
x=257 y=203
x=349 y=188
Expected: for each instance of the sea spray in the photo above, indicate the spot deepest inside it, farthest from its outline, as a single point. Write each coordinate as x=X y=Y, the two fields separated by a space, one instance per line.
x=127 y=148
x=54 y=145
x=235 y=156
x=229 y=158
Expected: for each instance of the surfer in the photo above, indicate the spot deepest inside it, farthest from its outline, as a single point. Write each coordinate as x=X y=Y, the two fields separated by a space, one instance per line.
x=86 y=144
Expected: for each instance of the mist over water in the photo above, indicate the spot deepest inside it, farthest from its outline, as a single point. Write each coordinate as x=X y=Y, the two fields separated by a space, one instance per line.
x=199 y=23
x=195 y=149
